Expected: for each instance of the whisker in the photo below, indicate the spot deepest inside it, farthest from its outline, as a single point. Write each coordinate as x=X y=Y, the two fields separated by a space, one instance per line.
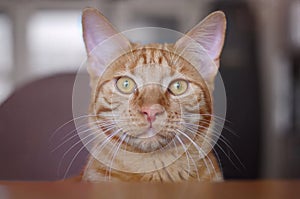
x=98 y=149
x=83 y=126
x=212 y=132
x=73 y=131
x=85 y=131
x=68 y=122
x=70 y=138
x=227 y=145
x=115 y=144
x=78 y=142
x=200 y=151
x=223 y=126
x=206 y=114
x=221 y=138
x=82 y=146
x=185 y=149
x=188 y=155
x=175 y=146
x=118 y=148
x=203 y=119
x=74 y=157
x=217 y=124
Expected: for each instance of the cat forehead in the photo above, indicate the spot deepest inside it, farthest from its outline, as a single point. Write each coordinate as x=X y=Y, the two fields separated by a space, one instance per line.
x=153 y=62
x=153 y=74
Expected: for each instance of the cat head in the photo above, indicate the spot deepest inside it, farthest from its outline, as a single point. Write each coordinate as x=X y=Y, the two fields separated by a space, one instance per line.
x=147 y=96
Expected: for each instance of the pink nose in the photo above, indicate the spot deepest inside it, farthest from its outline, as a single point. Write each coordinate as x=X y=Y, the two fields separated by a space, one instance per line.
x=152 y=111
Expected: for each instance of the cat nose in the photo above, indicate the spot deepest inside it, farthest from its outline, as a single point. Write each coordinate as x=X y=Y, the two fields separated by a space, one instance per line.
x=152 y=111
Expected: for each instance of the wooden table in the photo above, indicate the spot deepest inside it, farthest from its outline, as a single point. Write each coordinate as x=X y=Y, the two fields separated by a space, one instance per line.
x=229 y=189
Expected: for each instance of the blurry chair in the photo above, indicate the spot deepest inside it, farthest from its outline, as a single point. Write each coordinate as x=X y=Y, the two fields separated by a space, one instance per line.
x=28 y=118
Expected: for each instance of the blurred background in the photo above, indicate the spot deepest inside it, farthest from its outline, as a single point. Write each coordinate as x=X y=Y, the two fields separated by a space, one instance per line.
x=260 y=66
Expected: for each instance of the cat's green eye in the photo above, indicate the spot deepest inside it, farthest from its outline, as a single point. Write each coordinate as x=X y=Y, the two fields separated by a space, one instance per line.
x=126 y=85
x=178 y=87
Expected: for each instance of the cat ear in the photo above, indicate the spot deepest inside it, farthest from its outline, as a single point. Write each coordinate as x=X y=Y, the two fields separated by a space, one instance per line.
x=206 y=37
x=97 y=30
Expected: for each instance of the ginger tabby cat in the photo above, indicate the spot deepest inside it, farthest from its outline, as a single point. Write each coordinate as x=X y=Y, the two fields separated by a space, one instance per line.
x=151 y=105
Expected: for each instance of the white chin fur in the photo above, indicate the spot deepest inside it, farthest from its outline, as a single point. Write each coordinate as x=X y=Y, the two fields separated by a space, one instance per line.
x=150 y=132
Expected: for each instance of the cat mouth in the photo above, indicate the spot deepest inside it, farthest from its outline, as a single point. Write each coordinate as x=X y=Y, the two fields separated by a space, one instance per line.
x=149 y=140
x=149 y=132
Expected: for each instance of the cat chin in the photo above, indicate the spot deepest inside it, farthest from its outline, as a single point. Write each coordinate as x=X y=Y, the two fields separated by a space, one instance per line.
x=148 y=146
x=147 y=143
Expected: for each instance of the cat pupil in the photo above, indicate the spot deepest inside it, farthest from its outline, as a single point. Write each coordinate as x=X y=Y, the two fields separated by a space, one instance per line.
x=177 y=85
x=126 y=83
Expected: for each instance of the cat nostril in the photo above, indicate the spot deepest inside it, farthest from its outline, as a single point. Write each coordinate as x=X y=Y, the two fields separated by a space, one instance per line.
x=145 y=113
x=150 y=116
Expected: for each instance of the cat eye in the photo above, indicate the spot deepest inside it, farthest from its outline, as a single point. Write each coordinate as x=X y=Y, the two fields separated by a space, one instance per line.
x=126 y=85
x=178 y=87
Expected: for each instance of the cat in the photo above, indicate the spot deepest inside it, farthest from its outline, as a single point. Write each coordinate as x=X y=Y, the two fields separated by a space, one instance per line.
x=151 y=104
